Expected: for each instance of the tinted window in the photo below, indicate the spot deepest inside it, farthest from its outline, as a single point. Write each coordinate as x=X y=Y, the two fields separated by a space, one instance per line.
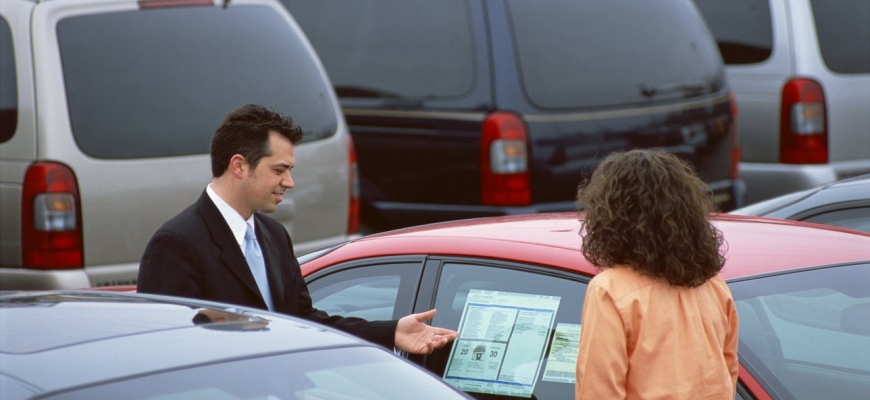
x=391 y=48
x=507 y=332
x=807 y=332
x=157 y=83
x=374 y=292
x=742 y=29
x=343 y=373
x=8 y=85
x=586 y=53
x=857 y=218
x=844 y=34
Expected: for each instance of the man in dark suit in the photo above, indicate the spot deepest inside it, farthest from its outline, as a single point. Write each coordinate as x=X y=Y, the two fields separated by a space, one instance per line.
x=202 y=252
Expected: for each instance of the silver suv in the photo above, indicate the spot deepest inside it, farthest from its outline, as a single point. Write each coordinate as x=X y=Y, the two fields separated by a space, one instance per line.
x=801 y=74
x=107 y=108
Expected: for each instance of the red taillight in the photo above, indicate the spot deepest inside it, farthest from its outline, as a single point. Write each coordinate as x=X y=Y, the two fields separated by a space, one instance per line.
x=51 y=218
x=353 y=182
x=735 y=142
x=803 y=128
x=504 y=161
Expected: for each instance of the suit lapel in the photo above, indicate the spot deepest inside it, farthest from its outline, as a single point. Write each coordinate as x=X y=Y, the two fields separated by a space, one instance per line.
x=273 y=262
x=222 y=236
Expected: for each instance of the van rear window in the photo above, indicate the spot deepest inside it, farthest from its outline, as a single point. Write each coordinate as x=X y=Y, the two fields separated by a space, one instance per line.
x=843 y=27
x=8 y=85
x=418 y=49
x=577 y=54
x=742 y=28
x=157 y=83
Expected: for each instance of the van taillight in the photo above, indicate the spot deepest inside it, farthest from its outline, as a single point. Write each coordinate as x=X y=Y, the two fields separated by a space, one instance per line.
x=735 y=142
x=803 y=132
x=353 y=211
x=504 y=161
x=51 y=218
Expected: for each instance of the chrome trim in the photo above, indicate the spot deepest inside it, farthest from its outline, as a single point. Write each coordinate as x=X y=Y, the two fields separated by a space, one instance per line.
x=631 y=112
x=576 y=116
x=461 y=116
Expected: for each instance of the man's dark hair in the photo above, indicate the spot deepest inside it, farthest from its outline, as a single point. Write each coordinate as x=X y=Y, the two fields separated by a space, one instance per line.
x=245 y=130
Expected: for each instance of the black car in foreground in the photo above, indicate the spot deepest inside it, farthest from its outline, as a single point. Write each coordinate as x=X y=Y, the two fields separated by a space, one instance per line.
x=104 y=345
x=470 y=108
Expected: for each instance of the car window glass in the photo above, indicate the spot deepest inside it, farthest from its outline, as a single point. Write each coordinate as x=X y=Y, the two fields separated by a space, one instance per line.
x=160 y=83
x=857 y=218
x=807 y=331
x=8 y=85
x=341 y=373
x=742 y=29
x=506 y=342
x=374 y=292
x=844 y=34
x=603 y=53
x=391 y=48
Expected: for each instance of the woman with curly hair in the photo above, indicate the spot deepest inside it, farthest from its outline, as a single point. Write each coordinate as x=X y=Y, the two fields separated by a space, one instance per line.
x=658 y=322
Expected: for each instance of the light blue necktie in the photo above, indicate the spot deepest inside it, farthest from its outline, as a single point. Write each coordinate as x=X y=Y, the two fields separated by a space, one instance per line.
x=258 y=266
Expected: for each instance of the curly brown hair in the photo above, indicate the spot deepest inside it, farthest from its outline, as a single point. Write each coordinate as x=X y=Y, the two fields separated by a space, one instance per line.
x=647 y=209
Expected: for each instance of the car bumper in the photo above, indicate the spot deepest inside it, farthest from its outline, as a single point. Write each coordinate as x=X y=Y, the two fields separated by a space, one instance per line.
x=64 y=279
x=765 y=181
x=728 y=194
x=383 y=215
x=28 y=279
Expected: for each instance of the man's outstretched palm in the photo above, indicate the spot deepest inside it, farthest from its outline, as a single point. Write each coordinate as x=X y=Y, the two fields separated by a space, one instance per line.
x=415 y=337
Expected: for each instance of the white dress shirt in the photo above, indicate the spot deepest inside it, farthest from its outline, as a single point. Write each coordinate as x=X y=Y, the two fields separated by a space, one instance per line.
x=233 y=218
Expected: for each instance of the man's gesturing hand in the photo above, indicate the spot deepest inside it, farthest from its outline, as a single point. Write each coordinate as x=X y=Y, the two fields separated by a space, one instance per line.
x=415 y=337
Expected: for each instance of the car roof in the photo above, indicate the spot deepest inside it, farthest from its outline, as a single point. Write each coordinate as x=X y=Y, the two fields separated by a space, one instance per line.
x=64 y=339
x=856 y=188
x=756 y=245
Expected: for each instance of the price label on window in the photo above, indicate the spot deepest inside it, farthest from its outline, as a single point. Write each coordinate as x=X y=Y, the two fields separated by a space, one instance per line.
x=501 y=344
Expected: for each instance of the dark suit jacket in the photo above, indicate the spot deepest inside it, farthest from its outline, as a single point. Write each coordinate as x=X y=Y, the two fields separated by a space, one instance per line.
x=195 y=255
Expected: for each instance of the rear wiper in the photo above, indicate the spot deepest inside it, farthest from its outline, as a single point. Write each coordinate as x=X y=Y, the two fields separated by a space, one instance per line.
x=686 y=88
x=359 y=91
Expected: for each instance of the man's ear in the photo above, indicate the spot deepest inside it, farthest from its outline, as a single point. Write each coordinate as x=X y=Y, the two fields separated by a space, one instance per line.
x=238 y=165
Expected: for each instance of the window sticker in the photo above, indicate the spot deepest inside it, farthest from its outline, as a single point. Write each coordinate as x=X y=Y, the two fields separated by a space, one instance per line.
x=501 y=343
x=562 y=361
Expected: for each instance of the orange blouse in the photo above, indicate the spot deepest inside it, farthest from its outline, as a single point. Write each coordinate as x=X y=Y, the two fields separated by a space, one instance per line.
x=642 y=338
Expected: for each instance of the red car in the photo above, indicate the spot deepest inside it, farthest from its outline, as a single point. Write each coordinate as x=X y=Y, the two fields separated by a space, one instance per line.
x=514 y=288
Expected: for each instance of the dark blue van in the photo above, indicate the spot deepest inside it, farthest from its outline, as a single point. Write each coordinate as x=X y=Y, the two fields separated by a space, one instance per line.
x=471 y=108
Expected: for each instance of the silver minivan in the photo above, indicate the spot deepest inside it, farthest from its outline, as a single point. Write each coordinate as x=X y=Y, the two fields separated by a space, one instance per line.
x=108 y=108
x=800 y=70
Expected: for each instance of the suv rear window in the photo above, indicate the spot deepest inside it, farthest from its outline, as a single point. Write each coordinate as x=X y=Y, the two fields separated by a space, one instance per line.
x=8 y=87
x=391 y=48
x=575 y=54
x=844 y=34
x=159 y=84
x=742 y=29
